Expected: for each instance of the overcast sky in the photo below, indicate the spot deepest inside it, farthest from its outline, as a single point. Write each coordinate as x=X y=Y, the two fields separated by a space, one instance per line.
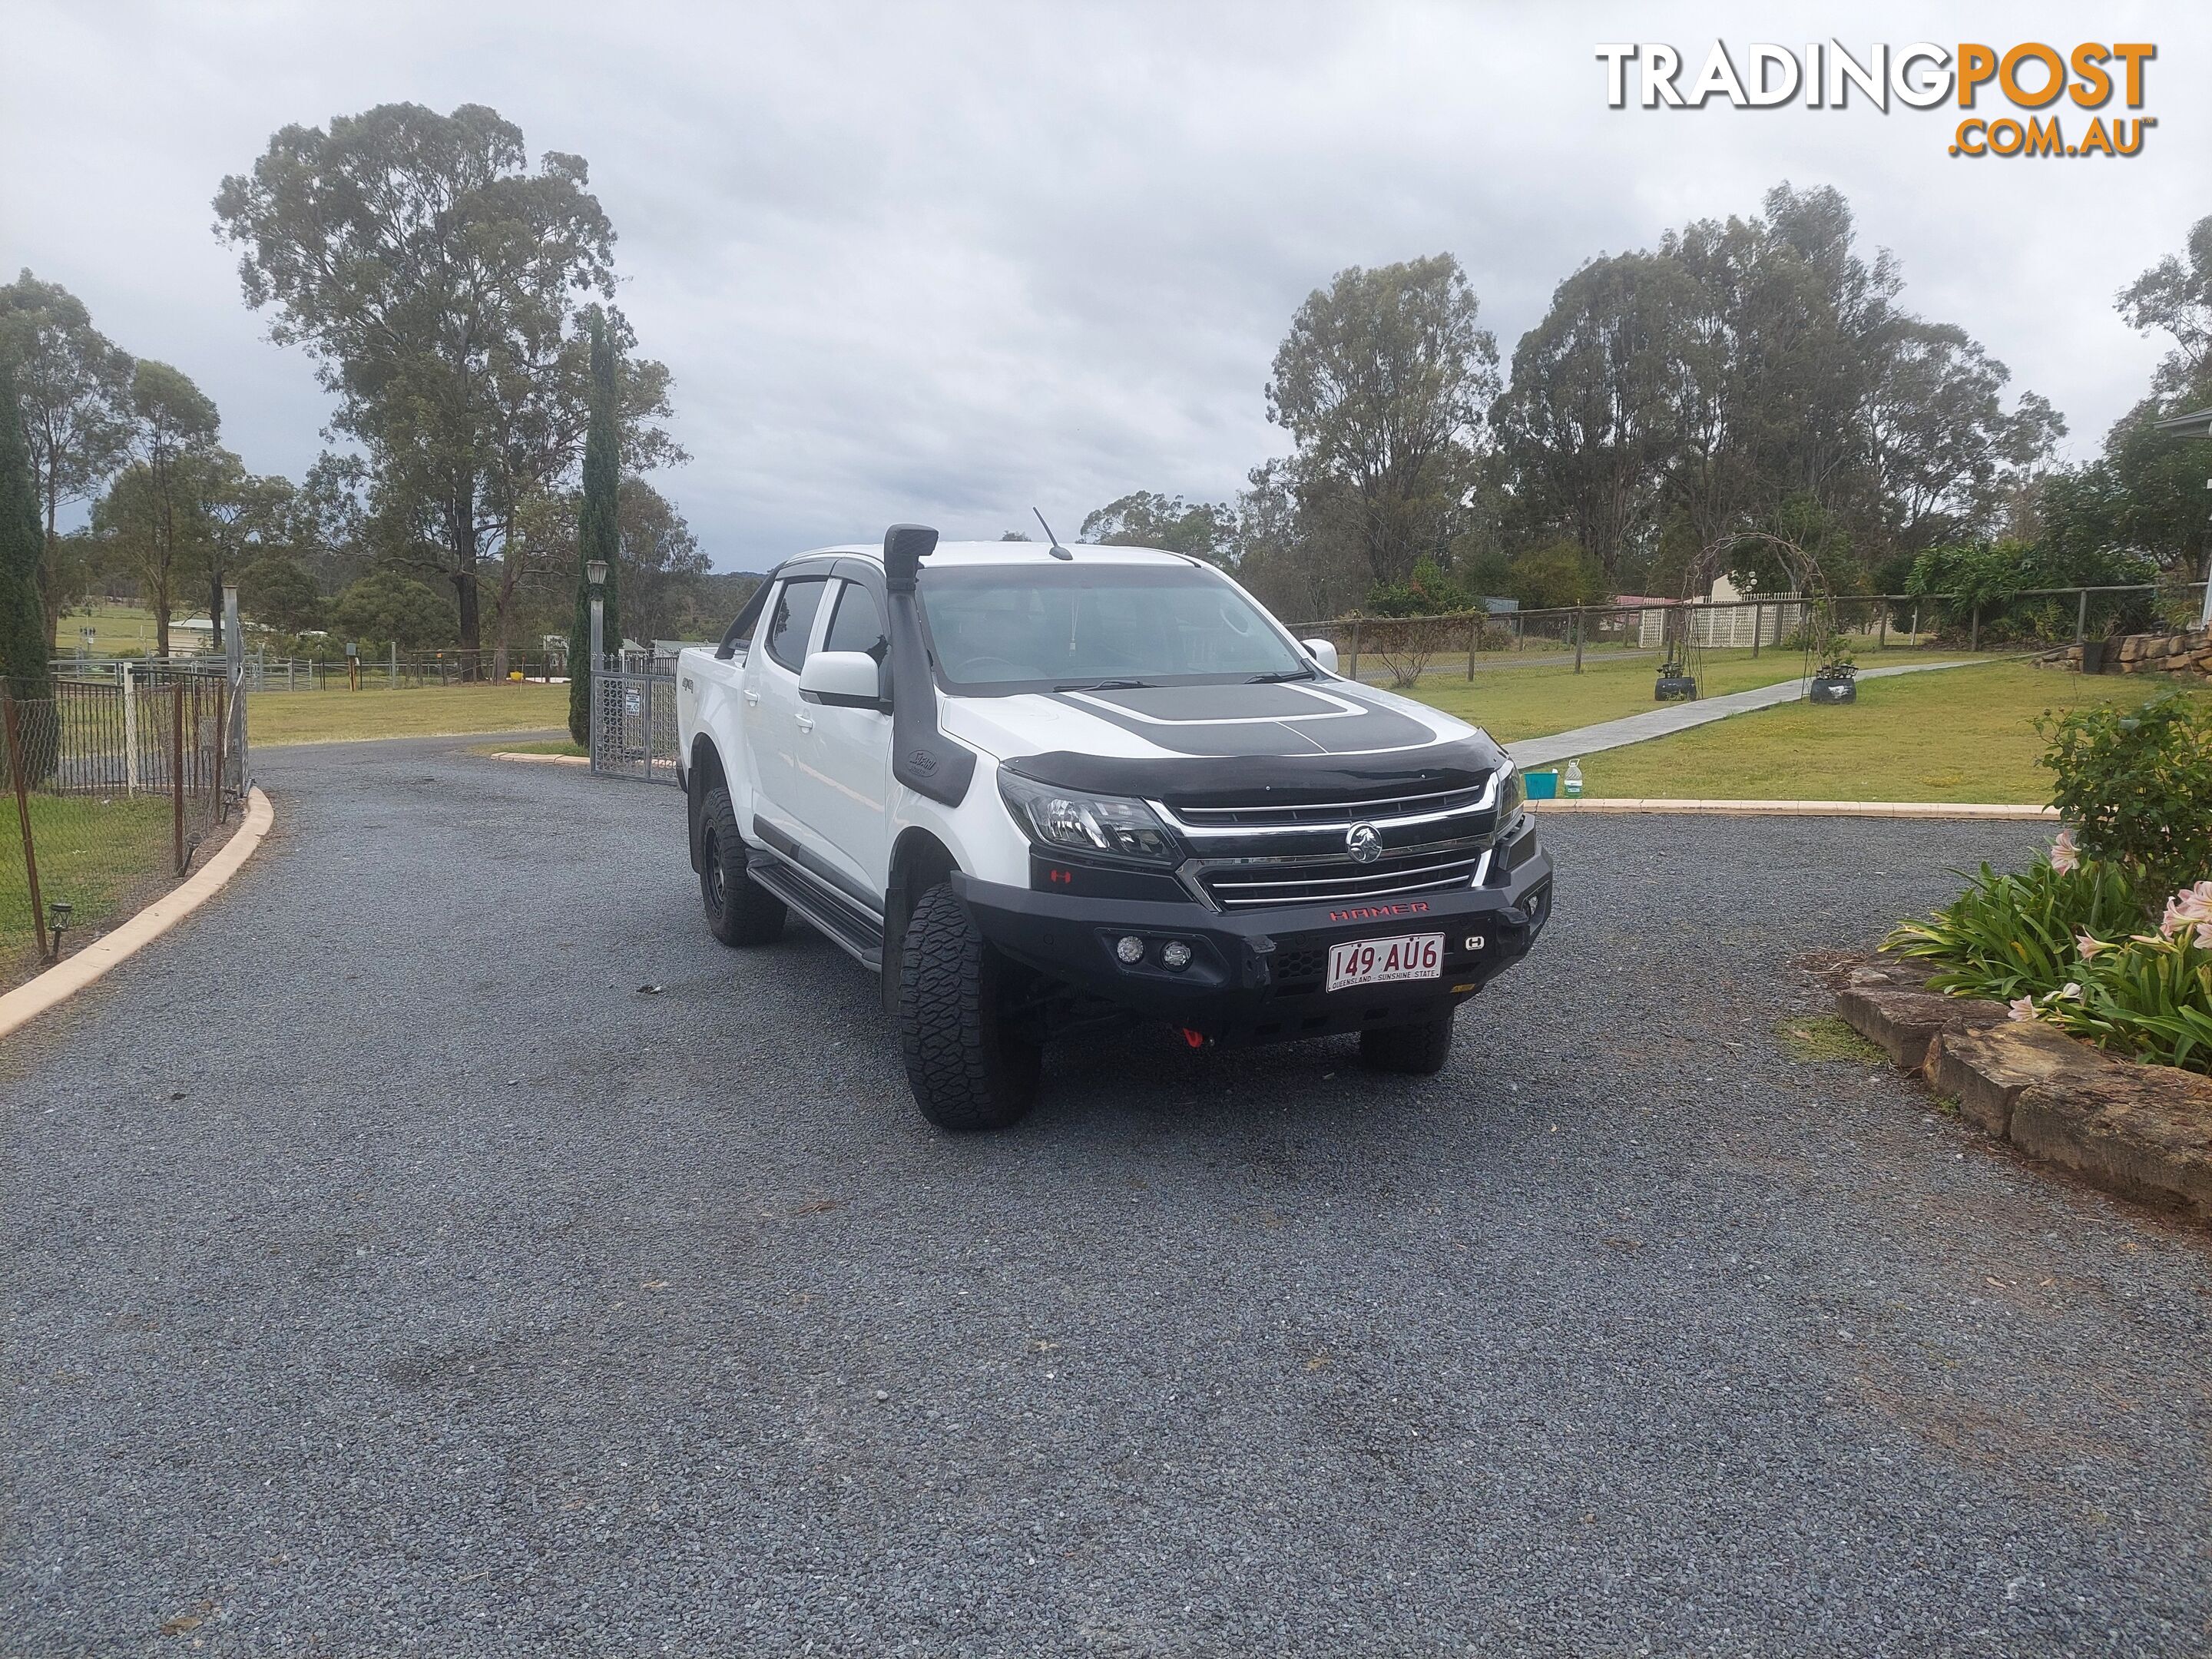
x=945 y=263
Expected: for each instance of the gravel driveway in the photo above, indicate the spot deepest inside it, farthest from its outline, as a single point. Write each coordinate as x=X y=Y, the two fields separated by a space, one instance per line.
x=386 y=1273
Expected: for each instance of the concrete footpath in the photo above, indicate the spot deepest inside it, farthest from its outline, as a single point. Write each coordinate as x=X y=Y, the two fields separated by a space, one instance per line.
x=1669 y=718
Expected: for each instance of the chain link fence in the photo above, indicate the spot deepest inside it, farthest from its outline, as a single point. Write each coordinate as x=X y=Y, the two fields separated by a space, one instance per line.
x=113 y=786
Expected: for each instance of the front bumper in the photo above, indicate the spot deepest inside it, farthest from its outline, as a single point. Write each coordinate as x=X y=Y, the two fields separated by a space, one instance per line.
x=1257 y=975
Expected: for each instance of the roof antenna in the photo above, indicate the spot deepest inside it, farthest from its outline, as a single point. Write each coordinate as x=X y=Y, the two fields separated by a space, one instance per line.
x=1055 y=549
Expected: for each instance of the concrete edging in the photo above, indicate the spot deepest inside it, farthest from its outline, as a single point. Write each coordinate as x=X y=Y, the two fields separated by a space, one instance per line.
x=2142 y=1131
x=545 y=760
x=1822 y=809
x=72 y=974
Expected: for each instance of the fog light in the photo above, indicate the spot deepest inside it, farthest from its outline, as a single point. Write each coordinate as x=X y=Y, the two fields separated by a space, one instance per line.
x=1176 y=954
x=1129 y=948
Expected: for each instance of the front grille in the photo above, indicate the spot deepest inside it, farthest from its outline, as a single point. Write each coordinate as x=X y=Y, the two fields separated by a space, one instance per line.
x=1249 y=855
x=1248 y=884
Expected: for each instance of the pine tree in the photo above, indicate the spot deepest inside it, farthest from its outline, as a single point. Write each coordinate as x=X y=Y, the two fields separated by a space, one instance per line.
x=25 y=655
x=596 y=537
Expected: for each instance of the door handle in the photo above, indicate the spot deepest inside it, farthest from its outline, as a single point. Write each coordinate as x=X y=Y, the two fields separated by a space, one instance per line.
x=805 y=722
x=751 y=695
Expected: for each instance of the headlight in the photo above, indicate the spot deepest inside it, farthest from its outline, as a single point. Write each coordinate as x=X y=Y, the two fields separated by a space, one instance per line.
x=1509 y=791
x=1102 y=826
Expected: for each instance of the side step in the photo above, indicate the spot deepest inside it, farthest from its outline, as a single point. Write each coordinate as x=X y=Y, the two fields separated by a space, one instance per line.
x=829 y=913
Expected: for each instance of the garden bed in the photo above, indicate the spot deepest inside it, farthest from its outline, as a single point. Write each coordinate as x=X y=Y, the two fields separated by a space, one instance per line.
x=2142 y=1131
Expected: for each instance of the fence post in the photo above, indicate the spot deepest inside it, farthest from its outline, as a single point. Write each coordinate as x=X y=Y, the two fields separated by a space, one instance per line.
x=23 y=817
x=221 y=742
x=1916 y=624
x=2081 y=619
x=177 y=771
x=1881 y=625
x=1974 y=628
x=1354 y=675
x=130 y=732
x=394 y=668
x=1474 y=640
x=1579 y=639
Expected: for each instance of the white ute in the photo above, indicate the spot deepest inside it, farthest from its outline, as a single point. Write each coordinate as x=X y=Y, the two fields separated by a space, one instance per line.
x=1041 y=788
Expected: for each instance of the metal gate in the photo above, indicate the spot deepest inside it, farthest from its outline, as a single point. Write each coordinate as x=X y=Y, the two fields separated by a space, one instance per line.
x=634 y=720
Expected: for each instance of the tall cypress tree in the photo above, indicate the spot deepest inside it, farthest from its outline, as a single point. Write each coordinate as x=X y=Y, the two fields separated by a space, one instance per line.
x=26 y=654
x=596 y=537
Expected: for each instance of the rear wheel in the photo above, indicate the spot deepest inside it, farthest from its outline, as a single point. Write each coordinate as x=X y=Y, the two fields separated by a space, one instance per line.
x=1417 y=1050
x=969 y=1069
x=737 y=913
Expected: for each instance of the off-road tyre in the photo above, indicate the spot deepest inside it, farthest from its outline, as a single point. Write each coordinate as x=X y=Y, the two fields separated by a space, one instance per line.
x=1416 y=1050
x=738 y=912
x=967 y=1070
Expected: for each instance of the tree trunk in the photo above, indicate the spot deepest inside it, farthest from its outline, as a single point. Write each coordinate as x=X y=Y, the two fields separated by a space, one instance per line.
x=465 y=581
x=161 y=616
x=49 y=576
x=215 y=605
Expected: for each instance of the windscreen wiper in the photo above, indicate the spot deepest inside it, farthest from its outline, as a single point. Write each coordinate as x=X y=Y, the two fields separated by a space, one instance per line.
x=1279 y=676
x=1105 y=685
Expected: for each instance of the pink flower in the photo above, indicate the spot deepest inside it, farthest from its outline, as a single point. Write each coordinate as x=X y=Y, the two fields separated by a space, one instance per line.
x=2022 y=1007
x=2087 y=946
x=2189 y=907
x=2064 y=854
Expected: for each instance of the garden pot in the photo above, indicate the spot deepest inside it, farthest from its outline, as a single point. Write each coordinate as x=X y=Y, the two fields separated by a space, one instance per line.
x=2093 y=656
x=1674 y=688
x=1833 y=689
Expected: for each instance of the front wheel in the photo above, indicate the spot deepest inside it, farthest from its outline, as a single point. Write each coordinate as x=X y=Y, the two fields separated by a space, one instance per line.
x=737 y=913
x=968 y=1068
x=1416 y=1050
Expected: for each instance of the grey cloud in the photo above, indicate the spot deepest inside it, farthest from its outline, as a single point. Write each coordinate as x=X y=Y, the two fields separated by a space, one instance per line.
x=948 y=262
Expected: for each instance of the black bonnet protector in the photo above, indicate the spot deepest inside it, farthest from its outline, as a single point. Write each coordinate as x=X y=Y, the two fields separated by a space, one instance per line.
x=1273 y=778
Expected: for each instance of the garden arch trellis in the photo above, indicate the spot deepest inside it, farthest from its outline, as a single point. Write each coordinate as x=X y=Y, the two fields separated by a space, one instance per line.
x=1683 y=651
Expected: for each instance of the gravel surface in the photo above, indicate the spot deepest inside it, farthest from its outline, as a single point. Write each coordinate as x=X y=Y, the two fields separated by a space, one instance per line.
x=386 y=1271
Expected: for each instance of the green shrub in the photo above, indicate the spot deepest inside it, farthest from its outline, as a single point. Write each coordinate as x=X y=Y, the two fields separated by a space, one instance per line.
x=2009 y=936
x=2135 y=786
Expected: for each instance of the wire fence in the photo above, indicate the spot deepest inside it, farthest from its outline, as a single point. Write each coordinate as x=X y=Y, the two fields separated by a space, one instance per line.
x=1401 y=650
x=392 y=670
x=112 y=788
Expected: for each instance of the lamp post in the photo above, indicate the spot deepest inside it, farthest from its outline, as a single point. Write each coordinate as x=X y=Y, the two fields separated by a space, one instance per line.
x=595 y=574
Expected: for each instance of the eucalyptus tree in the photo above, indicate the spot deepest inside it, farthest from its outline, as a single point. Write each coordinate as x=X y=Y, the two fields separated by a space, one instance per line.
x=1382 y=382
x=1204 y=530
x=441 y=283
x=73 y=385
x=156 y=514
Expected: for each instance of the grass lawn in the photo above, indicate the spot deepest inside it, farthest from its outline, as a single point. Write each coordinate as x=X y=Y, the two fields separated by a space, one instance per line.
x=340 y=716
x=1535 y=700
x=1965 y=734
x=116 y=628
x=99 y=856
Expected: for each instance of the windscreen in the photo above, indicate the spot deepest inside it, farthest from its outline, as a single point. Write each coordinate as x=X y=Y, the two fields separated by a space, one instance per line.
x=1033 y=627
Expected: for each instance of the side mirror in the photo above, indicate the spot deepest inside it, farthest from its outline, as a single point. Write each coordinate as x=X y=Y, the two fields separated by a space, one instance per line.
x=1322 y=652
x=842 y=679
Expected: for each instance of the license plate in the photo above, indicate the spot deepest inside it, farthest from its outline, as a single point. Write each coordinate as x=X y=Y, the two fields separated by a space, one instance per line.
x=1379 y=961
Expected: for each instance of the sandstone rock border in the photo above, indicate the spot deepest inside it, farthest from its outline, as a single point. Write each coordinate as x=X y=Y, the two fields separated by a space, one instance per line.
x=2143 y=1132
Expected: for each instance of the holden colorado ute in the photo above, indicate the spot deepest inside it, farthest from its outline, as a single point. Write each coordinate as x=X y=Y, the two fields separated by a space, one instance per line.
x=1039 y=789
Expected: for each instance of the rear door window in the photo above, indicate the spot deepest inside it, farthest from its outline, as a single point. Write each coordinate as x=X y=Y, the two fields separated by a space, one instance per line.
x=791 y=620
